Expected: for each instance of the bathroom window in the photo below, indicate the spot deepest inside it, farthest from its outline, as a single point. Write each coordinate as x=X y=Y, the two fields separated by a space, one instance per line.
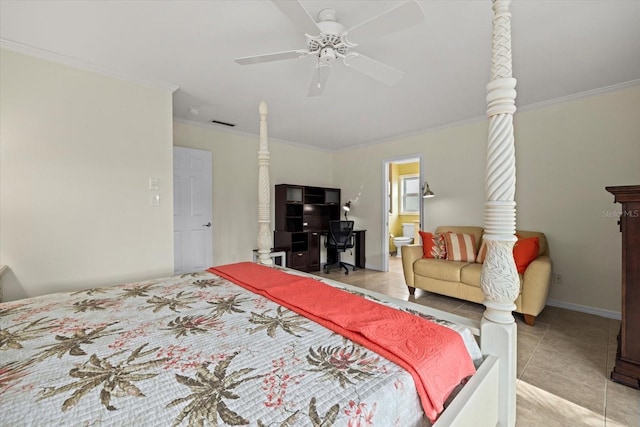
x=410 y=194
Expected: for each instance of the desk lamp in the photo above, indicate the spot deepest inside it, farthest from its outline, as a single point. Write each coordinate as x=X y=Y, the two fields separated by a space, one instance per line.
x=347 y=208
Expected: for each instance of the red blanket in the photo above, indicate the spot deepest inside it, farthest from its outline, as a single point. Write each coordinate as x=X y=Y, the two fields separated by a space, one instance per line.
x=433 y=354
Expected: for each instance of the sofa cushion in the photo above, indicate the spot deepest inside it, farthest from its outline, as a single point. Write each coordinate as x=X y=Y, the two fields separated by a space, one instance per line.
x=439 y=269
x=470 y=275
x=460 y=247
x=433 y=245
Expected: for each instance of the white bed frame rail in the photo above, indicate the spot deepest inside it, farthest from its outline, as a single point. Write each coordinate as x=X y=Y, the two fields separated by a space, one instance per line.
x=489 y=398
x=477 y=404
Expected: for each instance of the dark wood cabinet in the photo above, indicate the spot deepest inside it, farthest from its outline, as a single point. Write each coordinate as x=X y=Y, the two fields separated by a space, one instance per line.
x=314 y=251
x=360 y=258
x=627 y=367
x=302 y=213
x=299 y=260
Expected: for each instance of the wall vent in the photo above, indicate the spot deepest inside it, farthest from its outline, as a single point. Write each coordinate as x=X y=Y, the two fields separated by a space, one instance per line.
x=222 y=123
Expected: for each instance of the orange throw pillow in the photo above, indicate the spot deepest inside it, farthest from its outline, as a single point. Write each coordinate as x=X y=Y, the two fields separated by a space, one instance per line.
x=433 y=245
x=525 y=251
x=427 y=244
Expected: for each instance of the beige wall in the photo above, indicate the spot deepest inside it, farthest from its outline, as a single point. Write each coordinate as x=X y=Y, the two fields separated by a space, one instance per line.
x=77 y=150
x=459 y=197
x=566 y=154
x=235 y=182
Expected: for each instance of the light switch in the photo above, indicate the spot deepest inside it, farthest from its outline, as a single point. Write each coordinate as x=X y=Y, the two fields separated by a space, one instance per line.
x=154 y=199
x=154 y=184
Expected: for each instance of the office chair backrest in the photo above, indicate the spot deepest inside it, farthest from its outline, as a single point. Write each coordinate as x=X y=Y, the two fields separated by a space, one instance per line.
x=340 y=234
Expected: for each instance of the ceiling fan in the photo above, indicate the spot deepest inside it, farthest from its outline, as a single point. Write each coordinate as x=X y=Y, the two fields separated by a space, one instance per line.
x=334 y=42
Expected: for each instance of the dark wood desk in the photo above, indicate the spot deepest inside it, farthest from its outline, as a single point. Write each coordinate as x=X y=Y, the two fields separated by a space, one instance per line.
x=360 y=247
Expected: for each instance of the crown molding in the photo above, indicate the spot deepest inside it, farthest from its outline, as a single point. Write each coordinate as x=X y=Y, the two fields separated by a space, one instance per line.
x=520 y=108
x=225 y=129
x=80 y=64
x=212 y=126
x=579 y=95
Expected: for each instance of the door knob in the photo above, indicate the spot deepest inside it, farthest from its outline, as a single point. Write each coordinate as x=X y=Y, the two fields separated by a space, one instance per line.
x=207 y=224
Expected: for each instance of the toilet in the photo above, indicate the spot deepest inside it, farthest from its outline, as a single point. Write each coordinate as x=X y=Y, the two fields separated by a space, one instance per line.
x=406 y=239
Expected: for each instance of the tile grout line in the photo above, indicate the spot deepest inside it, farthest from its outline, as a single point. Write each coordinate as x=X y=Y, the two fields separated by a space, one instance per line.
x=524 y=369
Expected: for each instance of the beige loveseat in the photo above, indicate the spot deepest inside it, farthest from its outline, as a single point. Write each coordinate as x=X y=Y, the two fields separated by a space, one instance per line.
x=462 y=279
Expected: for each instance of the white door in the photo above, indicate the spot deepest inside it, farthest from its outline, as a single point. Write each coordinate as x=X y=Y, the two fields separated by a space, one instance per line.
x=192 y=204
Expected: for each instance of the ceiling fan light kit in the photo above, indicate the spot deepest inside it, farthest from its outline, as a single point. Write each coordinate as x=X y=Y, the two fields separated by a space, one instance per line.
x=332 y=42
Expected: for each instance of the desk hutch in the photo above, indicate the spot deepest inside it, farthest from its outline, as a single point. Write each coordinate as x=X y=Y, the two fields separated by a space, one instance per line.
x=302 y=214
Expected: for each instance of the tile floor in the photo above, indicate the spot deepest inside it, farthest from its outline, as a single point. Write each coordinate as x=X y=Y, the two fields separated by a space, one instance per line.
x=564 y=361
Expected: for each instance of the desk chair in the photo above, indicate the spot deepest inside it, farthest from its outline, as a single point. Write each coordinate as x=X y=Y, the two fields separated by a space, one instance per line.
x=340 y=238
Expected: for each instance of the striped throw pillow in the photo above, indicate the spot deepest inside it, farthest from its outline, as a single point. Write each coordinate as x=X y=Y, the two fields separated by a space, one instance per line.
x=482 y=253
x=460 y=247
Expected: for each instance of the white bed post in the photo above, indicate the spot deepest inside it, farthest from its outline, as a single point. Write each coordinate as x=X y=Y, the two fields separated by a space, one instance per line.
x=499 y=280
x=264 y=191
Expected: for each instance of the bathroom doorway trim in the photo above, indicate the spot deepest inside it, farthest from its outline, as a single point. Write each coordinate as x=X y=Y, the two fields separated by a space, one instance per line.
x=386 y=163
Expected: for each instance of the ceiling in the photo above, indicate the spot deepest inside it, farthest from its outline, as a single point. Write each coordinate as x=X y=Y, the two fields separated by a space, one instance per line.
x=560 y=49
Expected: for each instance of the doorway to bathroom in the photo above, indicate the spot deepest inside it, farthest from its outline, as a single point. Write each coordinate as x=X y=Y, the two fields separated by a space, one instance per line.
x=402 y=207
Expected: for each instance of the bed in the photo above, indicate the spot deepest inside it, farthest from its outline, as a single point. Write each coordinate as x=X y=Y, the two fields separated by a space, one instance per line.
x=202 y=348
x=219 y=347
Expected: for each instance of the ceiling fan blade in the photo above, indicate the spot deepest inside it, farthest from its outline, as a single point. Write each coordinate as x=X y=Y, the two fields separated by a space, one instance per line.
x=277 y=56
x=298 y=15
x=319 y=80
x=374 y=69
x=398 y=18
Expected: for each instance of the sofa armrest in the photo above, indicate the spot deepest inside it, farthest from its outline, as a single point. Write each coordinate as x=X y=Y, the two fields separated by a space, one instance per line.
x=410 y=253
x=535 y=285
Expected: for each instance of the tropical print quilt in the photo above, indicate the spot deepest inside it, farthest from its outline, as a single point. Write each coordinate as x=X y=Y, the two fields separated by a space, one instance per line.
x=194 y=350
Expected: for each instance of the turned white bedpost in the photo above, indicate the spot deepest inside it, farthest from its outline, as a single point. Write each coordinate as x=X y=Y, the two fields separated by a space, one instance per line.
x=264 y=191
x=499 y=280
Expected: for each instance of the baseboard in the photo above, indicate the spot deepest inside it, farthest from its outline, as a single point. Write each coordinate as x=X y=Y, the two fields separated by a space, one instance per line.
x=586 y=309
